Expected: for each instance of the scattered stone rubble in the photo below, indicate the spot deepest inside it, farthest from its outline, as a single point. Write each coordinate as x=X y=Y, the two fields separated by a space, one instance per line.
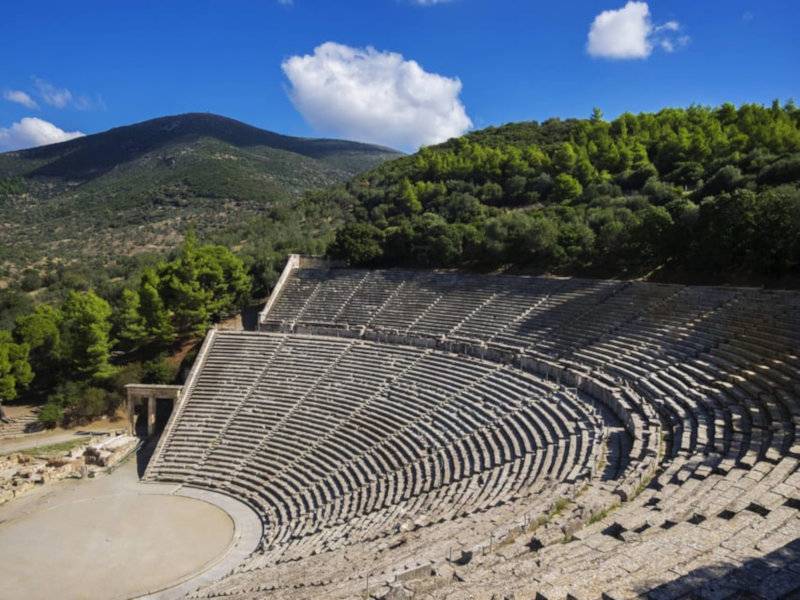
x=109 y=451
x=22 y=472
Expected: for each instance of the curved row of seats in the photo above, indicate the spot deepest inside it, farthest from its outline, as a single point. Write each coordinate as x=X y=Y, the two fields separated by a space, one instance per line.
x=720 y=364
x=720 y=367
x=335 y=441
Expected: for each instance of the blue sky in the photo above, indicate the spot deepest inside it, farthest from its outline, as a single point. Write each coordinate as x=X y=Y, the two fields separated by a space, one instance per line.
x=84 y=67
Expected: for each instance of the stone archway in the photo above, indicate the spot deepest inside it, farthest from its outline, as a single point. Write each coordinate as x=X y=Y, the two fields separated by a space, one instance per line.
x=146 y=397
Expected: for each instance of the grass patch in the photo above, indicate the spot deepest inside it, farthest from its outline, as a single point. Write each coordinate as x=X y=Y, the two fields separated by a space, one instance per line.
x=641 y=487
x=559 y=506
x=600 y=515
x=54 y=449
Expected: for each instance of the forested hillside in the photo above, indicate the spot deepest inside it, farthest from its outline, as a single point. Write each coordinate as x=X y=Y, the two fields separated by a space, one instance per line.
x=92 y=202
x=76 y=354
x=698 y=195
x=100 y=283
x=701 y=194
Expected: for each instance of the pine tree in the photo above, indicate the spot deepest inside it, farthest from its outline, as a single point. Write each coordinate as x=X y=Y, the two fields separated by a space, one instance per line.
x=180 y=288
x=15 y=370
x=409 y=200
x=85 y=335
x=156 y=318
x=129 y=323
x=40 y=331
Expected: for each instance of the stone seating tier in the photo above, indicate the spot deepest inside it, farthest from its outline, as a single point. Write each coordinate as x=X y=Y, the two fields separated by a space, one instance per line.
x=321 y=435
x=566 y=438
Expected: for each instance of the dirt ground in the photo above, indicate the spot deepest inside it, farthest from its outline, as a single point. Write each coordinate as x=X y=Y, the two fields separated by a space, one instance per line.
x=60 y=434
x=109 y=537
x=18 y=411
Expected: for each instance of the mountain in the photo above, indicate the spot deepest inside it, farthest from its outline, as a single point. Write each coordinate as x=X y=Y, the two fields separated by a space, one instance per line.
x=139 y=187
x=698 y=195
x=89 y=157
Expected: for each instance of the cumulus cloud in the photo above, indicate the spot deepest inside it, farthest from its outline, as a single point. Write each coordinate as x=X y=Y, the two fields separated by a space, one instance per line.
x=629 y=33
x=32 y=131
x=374 y=96
x=20 y=97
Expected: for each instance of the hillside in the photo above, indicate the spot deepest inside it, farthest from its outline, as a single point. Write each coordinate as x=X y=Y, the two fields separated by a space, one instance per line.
x=136 y=188
x=697 y=195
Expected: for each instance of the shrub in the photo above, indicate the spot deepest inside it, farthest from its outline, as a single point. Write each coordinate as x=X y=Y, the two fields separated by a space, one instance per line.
x=31 y=280
x=784 y=170
x=726 y=179
x=566 y=187
x=80 y=402
x=129 y=373
x=360 y=243
x=51 y=415
x=158 y=370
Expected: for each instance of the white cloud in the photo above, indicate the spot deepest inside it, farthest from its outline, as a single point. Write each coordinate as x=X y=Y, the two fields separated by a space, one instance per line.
x=62 y=97
x=628 y=33
x=374 y=96
x=20 y=97
x=52 y=95
x=32 y=131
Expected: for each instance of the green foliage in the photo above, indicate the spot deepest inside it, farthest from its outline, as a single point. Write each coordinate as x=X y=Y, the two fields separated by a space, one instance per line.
x=140 y=187
x=408 y=202
x=129 y=324
x=726 y=179
x=15 y=370
x=702 y=191
x=13 y=303
x=78 y=401
x=57 y=449
x=784 y=170
x=776 y=243
x=65 y=350
x=40 y=330
x=707 y=192
x=307 y=227
x=158 y=370
x=85 y=336
x=181 y=297
x=566 y=187
x=11 y=186
x=51 y=414
x=201 y=284
x=360 y=243
x=130 y=372
x=31 y=280
x=155 y=318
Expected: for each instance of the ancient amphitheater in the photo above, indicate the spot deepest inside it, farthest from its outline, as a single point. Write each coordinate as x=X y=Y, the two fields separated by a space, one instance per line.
x=436 y=435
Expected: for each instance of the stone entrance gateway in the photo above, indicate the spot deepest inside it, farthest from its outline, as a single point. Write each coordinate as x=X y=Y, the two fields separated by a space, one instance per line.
x=149 y=397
